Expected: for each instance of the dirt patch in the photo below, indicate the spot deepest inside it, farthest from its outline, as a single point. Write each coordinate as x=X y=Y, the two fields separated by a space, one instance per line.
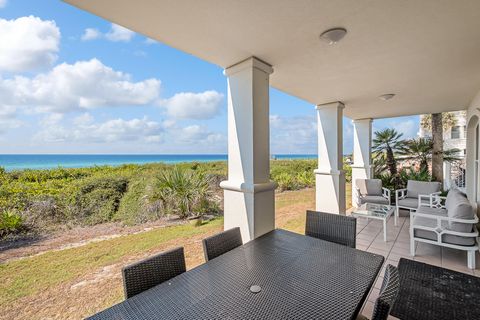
x=75 y=237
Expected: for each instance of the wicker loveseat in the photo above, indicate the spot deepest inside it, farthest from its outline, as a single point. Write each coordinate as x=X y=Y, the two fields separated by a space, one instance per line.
x=445 y=221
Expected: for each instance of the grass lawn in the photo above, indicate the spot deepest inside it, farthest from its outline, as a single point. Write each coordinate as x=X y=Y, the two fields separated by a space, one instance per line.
x=76 y=282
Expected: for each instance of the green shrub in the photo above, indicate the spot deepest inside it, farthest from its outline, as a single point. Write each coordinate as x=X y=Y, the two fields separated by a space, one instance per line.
x=10 y=223
x=306 y=179
x=286 y=181
x=97 y=199
x=183 y=192
x=136 y=205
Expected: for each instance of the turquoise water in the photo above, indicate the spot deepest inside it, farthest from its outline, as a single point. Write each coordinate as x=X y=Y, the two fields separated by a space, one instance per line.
x=47 y=161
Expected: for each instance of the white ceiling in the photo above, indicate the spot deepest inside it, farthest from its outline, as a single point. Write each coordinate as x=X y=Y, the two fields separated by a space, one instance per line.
x=427 y=52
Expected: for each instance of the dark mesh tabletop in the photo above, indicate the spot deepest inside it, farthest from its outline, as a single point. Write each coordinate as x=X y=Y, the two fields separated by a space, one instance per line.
x=300 y=278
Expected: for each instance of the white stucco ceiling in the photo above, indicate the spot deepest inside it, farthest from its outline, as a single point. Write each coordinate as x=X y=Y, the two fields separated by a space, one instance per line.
x=427 y=52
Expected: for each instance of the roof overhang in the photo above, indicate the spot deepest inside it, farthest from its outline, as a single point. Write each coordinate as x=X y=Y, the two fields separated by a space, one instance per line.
x=426 y=52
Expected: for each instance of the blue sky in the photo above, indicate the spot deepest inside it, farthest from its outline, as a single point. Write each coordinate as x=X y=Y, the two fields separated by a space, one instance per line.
x=71 y=82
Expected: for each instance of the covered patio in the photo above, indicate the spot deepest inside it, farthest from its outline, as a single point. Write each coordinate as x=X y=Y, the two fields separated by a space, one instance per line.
x=423 y=54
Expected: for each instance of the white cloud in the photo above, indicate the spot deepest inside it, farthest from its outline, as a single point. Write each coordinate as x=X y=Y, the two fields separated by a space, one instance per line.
x=83 y=119
x=198 y=134
x=188 y=105
x=150 y=41
x=409 y=128
x=28 y=43
x=110 y=131
x=119 y=33
x=293 y=134
x=91 y=34
x=8 y=118
x=115 y=34
x=51 y=119
x=3 y=3
x=83 y=85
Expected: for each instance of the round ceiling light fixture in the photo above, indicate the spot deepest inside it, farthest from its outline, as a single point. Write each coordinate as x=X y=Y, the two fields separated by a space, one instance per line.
x=332 y=36
x=386 y=96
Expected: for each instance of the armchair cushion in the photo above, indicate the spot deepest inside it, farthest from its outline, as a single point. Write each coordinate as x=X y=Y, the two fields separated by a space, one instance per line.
x=430 y=235
x=460 y=208
x=451 y=196
x=409 y=202
x=434 y=211
x=374 y=199
x=370 y=187
x=415 y=188
x=447 y=238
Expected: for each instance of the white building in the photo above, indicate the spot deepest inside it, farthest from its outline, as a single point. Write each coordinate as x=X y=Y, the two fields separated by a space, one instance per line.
x=454 y=137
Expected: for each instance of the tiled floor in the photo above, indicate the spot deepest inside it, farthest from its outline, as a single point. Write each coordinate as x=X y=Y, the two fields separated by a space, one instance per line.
x=370 y=238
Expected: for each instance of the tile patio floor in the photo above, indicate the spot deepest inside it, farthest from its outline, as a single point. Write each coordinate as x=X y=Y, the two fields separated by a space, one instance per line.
x=370 y=238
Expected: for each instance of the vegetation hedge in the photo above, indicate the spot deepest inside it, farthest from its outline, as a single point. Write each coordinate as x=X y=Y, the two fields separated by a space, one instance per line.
x=43 y=200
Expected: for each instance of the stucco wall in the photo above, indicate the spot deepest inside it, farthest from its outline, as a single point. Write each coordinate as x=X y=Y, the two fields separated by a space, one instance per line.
x=473 y=184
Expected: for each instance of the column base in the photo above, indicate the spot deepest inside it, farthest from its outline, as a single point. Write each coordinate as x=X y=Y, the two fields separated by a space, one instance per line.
x=330 y=191
x=250 y=207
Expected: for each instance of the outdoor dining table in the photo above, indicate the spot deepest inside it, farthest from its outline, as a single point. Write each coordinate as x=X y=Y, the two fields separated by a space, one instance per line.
x=280 y=275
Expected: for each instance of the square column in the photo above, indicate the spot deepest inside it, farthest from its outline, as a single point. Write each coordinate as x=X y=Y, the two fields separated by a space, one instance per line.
x=330 y=177
x=362 y=154
x=249 y=195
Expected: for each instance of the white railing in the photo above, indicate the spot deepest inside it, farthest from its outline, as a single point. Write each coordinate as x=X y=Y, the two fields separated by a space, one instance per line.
x=454 y=175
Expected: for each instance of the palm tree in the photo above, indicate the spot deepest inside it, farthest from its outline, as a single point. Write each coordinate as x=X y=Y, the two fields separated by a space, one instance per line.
x=437 y=155
x=183 y=192
x=436 y=124
x=386 y=144
x=421 y=150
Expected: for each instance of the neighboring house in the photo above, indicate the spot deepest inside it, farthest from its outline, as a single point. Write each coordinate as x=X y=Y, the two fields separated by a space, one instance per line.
x=454 y=137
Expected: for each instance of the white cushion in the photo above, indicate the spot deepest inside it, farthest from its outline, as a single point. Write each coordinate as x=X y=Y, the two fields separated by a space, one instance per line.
x=415 y=188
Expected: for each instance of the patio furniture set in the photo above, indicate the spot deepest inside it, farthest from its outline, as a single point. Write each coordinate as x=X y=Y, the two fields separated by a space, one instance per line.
x=280 y=275
x=284 y=275
x=443 y=221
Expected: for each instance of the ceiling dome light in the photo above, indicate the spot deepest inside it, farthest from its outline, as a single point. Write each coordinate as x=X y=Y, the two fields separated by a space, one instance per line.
x=387 y=96
x=332 y=36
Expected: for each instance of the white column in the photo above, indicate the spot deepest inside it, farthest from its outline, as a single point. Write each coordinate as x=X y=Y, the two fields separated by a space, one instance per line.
x=330 y=177
x=362 y=150
x=249 y=199
x=447 y=175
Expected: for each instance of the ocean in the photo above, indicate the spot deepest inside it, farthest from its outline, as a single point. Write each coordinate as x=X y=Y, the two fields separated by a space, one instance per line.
x=48 y=161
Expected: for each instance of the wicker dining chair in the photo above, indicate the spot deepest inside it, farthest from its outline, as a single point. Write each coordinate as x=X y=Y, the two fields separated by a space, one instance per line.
x=332 y=227
x=150 y=272
x=387 y=296
x=220 y=243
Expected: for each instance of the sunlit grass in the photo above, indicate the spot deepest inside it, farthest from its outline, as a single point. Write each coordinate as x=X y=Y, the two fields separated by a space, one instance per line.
x=31 y=275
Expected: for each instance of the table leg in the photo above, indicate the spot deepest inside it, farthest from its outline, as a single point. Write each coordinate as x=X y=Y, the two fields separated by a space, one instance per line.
x=385 y=230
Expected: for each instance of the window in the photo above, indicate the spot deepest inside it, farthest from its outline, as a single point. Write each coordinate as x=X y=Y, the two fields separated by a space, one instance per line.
x=455 y=132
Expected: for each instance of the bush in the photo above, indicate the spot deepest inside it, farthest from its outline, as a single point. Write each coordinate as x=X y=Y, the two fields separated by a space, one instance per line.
x=306 y=179
x=286 y=181
x=97 y=199
x=10 y=223
x=43 y=212
x=184 y=192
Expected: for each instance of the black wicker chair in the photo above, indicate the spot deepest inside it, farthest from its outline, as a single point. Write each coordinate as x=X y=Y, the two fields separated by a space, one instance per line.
x=220 y=243
x=150 y=272
x=331 y=227
x=387 y=296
